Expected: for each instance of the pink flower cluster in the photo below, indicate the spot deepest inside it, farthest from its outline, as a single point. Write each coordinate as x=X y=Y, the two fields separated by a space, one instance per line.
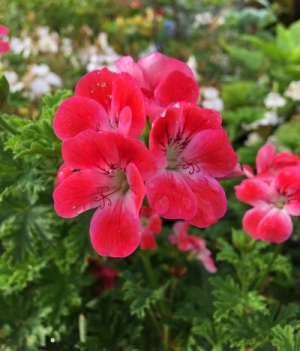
x=274 y=192
x=107 y=166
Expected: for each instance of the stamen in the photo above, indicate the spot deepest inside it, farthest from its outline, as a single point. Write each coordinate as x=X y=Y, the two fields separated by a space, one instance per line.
x=187 y=164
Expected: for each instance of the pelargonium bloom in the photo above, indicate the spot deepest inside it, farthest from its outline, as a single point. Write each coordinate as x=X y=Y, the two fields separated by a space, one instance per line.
x=274 y=202
x=4 y=44
x=103 y=101
x=191 y=150
x=192 y=243
x=163 y=80
x=269 y=163
x=151 y=224
x=108 y=171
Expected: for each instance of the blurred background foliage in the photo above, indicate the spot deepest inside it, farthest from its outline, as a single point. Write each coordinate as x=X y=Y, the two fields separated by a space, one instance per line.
x=54 y=294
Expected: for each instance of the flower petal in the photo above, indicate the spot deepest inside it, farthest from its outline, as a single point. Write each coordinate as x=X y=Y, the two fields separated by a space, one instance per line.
x=264 y=158
x=115 y=231
x=170 y=196
x=211 y=151
x=252 y=219
x=77 y=114
x=126 y=93
x=276 y=226
x=158 y=66
x=97 y=85
x=211 y=200
x=92 y=150
x=175 y=87
x=80 y=192
x=254 y=192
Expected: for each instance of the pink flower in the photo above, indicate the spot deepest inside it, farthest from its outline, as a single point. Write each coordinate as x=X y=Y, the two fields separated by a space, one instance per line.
x=108 y=174
x=103 y=101
x=4 y=44
x=268 y=163
x=273 y=202
x=191 y=150
x=163 y=80
x=151 y=224
x=192 y=243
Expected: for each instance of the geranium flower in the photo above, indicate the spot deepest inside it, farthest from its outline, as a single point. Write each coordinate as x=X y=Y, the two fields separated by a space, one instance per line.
x=163 y=80
x=269 y=163
x=191 y=149
x=151 y=224
x=192 y=243
x=273 y=203
x=103 y=101
x=4 y=44
x=108 y=174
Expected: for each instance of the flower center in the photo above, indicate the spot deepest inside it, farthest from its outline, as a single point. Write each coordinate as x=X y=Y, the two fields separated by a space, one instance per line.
x=104 y=193
x=280 y=201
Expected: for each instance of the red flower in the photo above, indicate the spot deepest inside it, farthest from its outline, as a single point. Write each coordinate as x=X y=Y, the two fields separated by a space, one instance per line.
x=151 y=224
x=103 y=101
x=4 y=44
x=273 y=202
x=192 y=243
x=104 y=275
x=268 y=163
x=109 y=175
x=191 y=150
x=163 y=80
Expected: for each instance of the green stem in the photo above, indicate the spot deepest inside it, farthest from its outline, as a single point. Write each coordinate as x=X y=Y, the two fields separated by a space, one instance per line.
x=7 y=126
x=268 y=268
x=162 y=306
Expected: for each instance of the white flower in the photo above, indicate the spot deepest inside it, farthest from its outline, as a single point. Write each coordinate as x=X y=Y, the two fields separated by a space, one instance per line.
x=192 y=63
x=47 y=42
x=253 y=139
x=293 y=91
x=270 y=118
x=274 y=101
x=66 y=46
x=22 y=46
x=13 y=80
x=40 y=81
x=203 y=19
x=212 y=99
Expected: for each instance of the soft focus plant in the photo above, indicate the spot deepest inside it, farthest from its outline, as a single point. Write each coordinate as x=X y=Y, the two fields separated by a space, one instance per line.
x=142 y=165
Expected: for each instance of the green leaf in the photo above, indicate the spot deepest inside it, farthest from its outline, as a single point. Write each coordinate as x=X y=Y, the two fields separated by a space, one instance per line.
x=284 y=338
x=288 y=134
x=142 y=299
x=237 y=93
x=4 y=90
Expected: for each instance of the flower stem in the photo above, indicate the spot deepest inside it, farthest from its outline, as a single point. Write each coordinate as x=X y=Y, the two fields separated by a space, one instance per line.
x=154 y=285
x=264 y=273
x=7 y=126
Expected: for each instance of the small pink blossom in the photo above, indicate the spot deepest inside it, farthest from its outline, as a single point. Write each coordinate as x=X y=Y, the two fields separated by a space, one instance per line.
x=193 y=244
x=269 y=163
x=151 y=224
x=163 y=80
x=274 y=202
x=103 y=101
x=4 y=44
